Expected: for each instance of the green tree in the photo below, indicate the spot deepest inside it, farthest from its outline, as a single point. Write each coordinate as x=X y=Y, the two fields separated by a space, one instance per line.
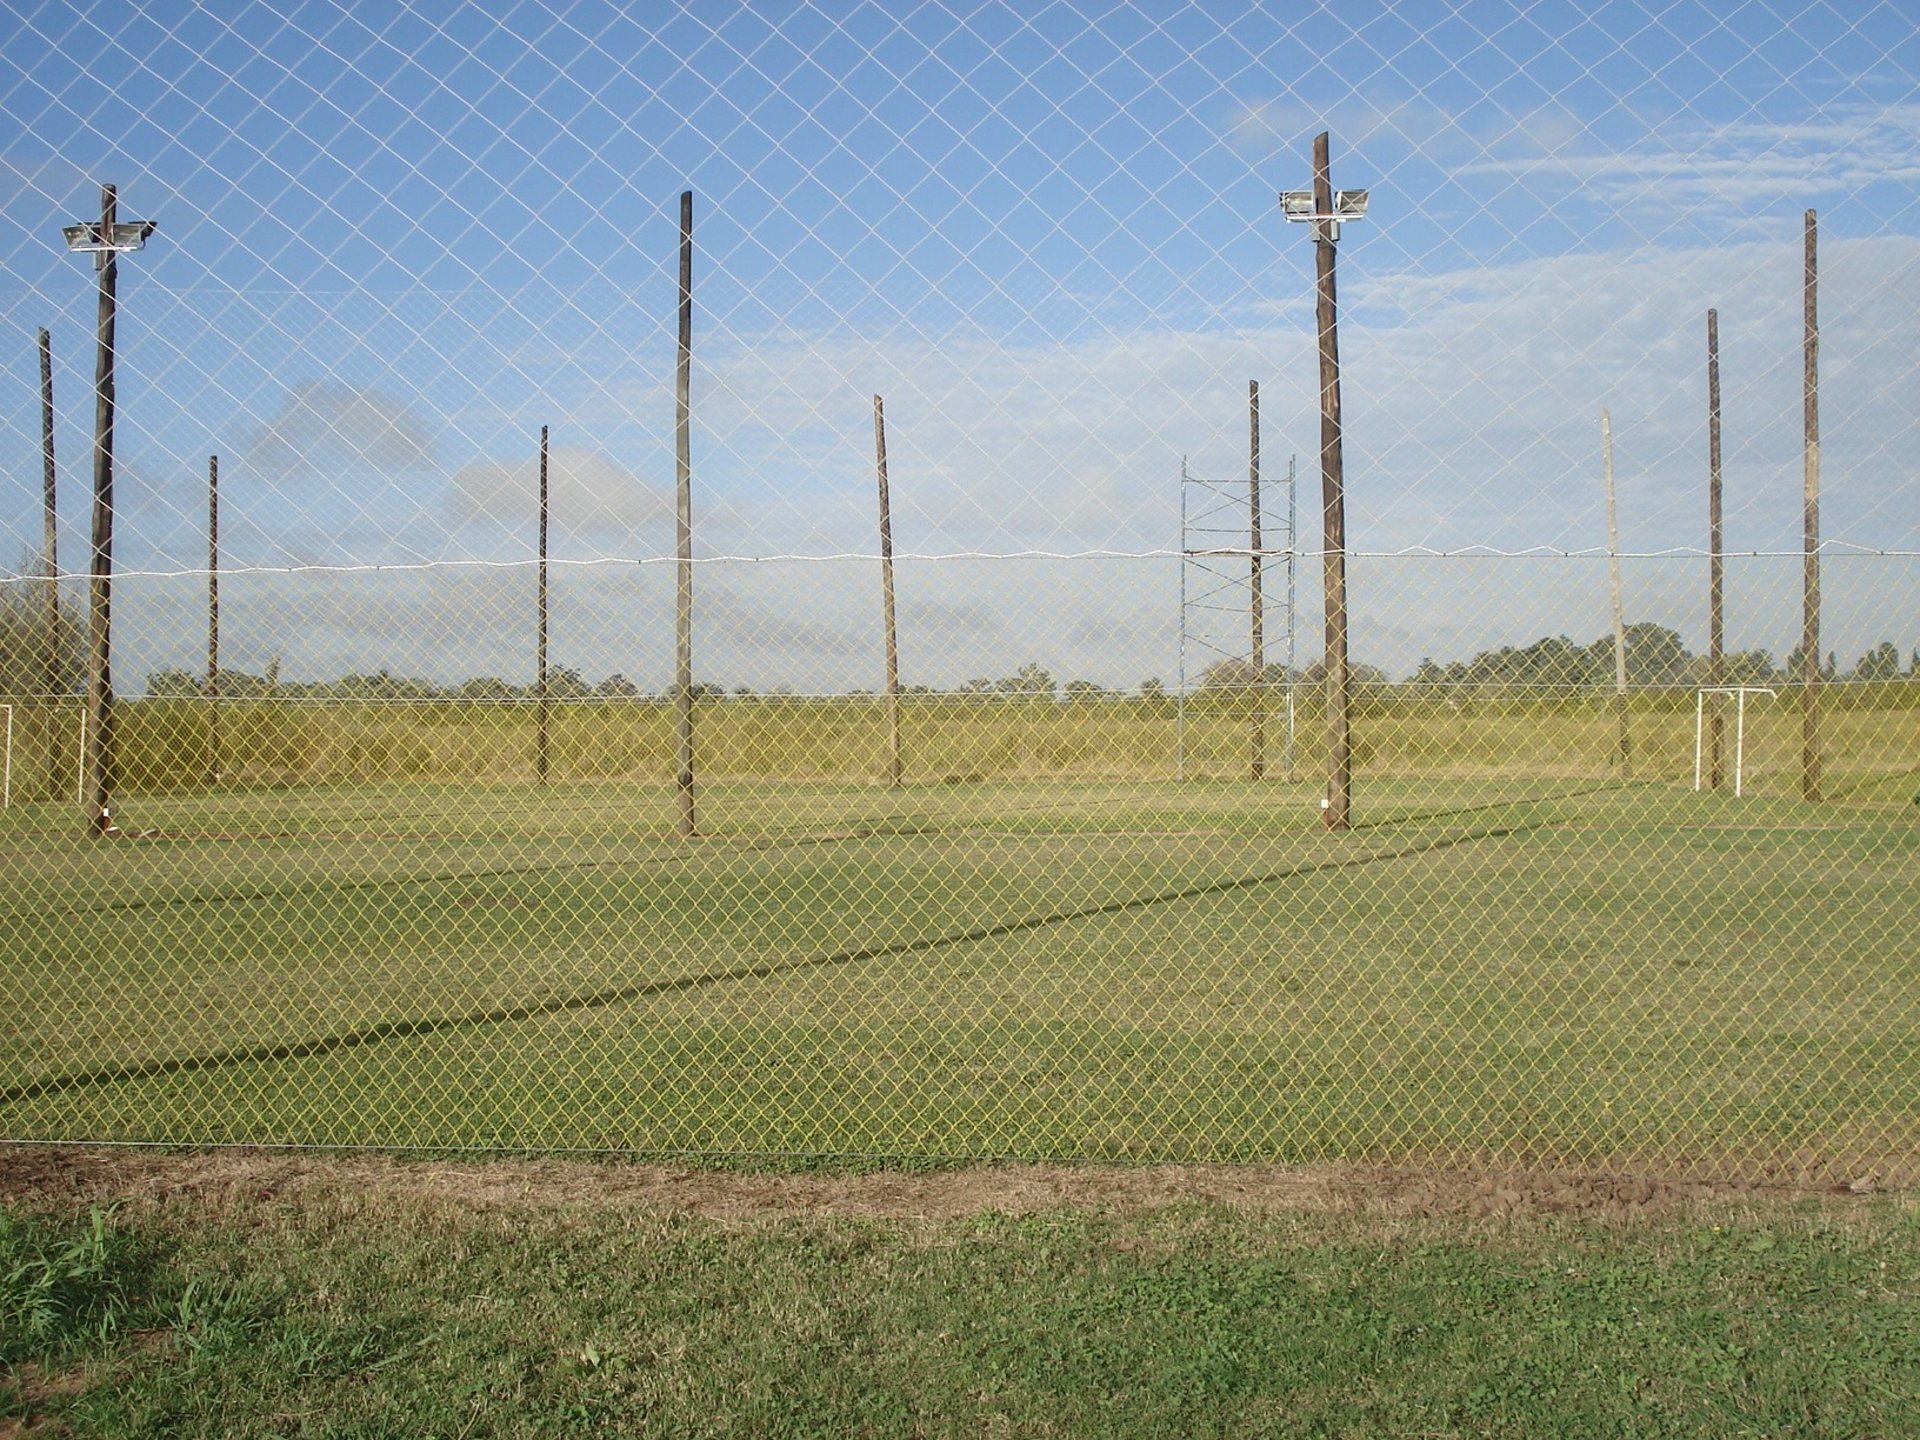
x=1748 y=667
x=1880 y=663
x=1232 y=674
x=23 y=639
x=1655 y=655
x=1029 y=682
x=1796 y=660
x=486 y=687
x=1358 y=673
x=564 y=683
x=176 y=684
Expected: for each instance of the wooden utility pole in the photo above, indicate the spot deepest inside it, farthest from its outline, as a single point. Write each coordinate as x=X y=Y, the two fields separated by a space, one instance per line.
x=1333 y=503
x=99 y=752
x=50 y=563
x=542 y=717
x=213 y=620
x=1256 y=604
x=683 y=534
x=1716 y=555
x=1624 y=742
x=1810 y=562
x=104 y=240
x=1293 y=558
x=894 y=768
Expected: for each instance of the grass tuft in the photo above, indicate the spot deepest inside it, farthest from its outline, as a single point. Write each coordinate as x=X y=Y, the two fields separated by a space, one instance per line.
x=67 y=1288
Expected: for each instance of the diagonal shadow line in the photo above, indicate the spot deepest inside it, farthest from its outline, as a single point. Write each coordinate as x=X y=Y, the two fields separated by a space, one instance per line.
x=601 y=999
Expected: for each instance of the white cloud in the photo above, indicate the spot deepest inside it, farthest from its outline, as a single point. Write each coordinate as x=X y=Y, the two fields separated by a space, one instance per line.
x=327 y=425
x=1472 y=404
x=591 y=497
x=1722 y=171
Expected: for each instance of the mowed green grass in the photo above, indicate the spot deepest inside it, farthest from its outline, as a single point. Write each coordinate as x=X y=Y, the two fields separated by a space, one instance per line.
x=1570 y=972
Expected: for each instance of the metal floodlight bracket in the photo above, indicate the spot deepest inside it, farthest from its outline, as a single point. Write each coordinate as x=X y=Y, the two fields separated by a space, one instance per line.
x=100 y=241
x=1297 y=205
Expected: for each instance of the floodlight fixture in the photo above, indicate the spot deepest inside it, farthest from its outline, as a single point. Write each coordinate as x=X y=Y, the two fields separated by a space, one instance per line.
x=102 y=239
x=1298 y=205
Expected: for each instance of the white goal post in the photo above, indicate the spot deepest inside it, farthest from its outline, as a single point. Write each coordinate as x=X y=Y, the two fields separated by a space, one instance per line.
x=1740 y=693
x=7 y=709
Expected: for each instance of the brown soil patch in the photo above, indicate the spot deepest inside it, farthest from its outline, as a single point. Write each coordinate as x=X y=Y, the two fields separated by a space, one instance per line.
x=35 y=1387
x=234 y=1180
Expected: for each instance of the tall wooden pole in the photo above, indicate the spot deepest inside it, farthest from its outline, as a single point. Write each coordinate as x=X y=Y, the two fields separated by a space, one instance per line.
x=50 y=562
x=543 y=717
x=1256 y=602
x=1716 y=555
x=99 y=754
x=683 y=533
x=1624 y=742
x=1293 y=557
x=1810 y=563
x=213 y=620
x=1333 y=503
x=894 y=768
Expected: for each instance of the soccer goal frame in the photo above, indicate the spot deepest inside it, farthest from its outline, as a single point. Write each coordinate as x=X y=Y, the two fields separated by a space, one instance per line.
x=7 y=708
x=1740 y=694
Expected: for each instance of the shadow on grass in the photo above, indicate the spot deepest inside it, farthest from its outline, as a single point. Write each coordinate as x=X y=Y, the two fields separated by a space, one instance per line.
x=391 y=1030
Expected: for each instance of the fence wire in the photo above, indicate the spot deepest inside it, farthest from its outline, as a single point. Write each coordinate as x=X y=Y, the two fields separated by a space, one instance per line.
x=959 y=789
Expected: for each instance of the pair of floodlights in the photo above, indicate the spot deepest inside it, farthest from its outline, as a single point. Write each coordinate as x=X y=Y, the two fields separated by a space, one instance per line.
x=102 y=240
x=1347 y=205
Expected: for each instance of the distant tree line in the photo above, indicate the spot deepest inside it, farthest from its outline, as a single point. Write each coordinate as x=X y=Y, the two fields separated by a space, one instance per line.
x=1656 y=656
x=562 y=684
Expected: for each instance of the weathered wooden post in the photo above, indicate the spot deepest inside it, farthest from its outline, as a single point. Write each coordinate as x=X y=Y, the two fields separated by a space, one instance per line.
x=1624 y=740
x=213 y=620
x=50 y=566
x=1716 y=561
x=683 y=534
x=542 y=716
x=1256 y=603
x=1810 y=514
x=894 y=766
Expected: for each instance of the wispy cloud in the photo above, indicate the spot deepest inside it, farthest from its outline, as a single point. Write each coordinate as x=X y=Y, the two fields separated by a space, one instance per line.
x=326 y=425
x=1732 y=169
x=591 y=497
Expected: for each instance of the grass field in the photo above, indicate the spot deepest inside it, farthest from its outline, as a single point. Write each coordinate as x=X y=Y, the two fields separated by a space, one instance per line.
x=167 y=746
x=1573 y=971
x=234 y=1295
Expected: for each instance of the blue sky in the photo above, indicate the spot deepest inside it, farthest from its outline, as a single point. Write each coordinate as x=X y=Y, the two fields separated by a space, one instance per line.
x=396 y=240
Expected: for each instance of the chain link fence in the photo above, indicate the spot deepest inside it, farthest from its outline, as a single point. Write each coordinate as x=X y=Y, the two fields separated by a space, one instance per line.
x=921 y=743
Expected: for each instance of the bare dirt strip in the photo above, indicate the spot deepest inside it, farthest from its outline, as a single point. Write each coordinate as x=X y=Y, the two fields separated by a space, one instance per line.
x=237 y=1179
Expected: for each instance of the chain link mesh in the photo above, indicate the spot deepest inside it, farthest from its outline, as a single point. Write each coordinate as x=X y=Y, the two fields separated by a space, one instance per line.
x=387 y=868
